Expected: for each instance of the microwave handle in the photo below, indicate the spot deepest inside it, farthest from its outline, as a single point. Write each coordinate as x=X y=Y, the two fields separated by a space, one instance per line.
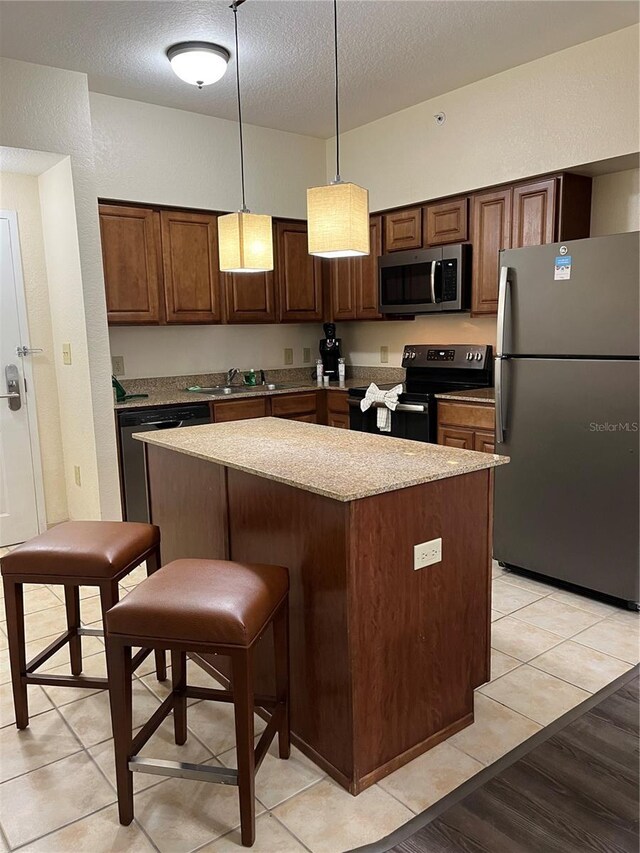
x=432 y=282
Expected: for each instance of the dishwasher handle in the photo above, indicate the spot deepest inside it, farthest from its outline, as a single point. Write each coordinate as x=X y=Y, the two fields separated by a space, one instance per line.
x=163 y=424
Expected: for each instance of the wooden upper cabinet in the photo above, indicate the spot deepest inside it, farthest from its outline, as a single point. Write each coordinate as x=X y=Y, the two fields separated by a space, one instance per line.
x=490 y=232
x=250 y=297
x=132 y=264
x=366 y=275
x=534 y=213
x=446 y=222
x=403 y=230
x=299 y=274
x=190 y=263
x=342 y=275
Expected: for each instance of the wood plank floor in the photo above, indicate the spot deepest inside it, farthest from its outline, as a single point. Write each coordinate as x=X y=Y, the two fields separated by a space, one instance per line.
x=576 y=792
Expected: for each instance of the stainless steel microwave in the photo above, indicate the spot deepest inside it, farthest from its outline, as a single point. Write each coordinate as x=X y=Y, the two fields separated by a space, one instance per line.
x=426 y=280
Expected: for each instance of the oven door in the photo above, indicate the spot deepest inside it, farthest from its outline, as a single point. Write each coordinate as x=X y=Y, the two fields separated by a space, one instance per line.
x=410 y=282
x=410 y=420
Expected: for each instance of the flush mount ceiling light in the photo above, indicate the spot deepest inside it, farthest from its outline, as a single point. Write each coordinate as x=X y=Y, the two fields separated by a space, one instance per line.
x=338 y=214
x=198 y=62
x=245 y=239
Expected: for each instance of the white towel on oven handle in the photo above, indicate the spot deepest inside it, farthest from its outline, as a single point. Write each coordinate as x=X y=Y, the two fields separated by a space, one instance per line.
x=389 y=400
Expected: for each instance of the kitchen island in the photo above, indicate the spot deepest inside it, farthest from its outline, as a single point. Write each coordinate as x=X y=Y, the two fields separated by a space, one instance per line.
x=384 y=658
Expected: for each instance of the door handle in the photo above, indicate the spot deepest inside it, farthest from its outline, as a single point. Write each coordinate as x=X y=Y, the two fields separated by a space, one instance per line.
x=12 y=378
x=503 y=286
x=432 y=282
x=500 y=428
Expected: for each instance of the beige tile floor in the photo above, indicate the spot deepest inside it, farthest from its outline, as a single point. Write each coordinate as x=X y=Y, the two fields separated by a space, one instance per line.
x=551 y=650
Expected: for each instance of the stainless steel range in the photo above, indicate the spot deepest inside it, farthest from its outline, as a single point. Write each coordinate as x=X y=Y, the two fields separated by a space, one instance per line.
x=430 y=370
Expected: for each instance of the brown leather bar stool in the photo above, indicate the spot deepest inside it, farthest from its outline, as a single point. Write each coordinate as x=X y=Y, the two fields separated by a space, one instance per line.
x=75 y=553
x=206 y=607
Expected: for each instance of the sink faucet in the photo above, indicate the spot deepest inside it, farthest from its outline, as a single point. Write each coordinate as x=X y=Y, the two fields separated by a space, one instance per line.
x=231 y=374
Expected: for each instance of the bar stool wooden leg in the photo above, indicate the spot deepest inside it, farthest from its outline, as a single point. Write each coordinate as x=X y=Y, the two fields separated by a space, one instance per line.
x=281 y=655
x=179 y=683
x=72 y=603
x=153 y=564
x=242 y=666
x=119 y=671
x=14 y=604
x=109 y=595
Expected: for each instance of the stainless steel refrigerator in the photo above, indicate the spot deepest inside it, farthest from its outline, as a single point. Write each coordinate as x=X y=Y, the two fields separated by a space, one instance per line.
x=567 y=383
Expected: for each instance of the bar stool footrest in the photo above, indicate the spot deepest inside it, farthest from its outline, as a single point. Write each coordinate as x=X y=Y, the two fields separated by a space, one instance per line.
x=66 y=681
x=184 y=770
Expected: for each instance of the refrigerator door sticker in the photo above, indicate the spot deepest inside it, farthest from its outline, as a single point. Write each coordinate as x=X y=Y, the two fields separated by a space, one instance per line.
x=562 y=270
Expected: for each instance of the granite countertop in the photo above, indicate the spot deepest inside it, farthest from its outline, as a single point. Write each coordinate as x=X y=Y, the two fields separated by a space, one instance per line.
x=336 y=463
x=474 y=395
x=170 y=391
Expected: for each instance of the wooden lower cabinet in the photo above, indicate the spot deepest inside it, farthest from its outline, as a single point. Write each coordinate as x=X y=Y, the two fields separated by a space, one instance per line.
x=338 y=409
x=467 y=426
x=239 y=410
x=299 y=407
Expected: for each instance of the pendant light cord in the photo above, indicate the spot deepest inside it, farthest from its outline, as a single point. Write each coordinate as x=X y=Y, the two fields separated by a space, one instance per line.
x=335 y=45
x=235 y=22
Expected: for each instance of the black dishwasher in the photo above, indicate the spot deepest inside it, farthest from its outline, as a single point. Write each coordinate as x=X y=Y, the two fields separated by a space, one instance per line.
x=134 y=482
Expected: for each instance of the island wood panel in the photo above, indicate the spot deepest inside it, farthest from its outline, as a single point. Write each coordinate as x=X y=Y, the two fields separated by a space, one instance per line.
x=274 y=523
x=419 y=638
x=188 y=503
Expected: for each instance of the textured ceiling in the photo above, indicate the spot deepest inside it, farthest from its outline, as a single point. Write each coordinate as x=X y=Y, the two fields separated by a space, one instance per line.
x=394 y=53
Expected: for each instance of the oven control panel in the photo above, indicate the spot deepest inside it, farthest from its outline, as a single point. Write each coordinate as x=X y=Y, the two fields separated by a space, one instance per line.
x=470 y=356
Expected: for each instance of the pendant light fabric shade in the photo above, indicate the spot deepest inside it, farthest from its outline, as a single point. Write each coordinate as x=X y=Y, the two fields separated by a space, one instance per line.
x=338 y=220
x=245 y=242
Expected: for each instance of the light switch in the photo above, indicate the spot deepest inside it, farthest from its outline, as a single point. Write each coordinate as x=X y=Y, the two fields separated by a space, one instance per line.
x=66 y=353
x=384 y=355
x=76 y=475
x=288 y=356
x=306 y=355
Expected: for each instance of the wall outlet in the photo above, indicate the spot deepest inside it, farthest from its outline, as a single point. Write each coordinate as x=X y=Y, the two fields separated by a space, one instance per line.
x=384 y=355
x=427 y=553
x=306 y=355
x=288 y=356
x=117 y=365
x=66 y=353
x=76 y=475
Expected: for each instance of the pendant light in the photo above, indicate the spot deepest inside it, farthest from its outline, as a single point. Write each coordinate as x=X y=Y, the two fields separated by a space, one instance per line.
x=245 y=239
x=338 y=214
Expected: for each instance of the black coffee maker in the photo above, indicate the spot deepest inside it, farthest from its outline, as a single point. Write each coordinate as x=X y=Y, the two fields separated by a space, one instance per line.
x=330 y=351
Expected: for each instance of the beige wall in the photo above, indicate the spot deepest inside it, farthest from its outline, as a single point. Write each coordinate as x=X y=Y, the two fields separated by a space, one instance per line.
x=615 y=206
x=195 y=162
x=47 y=109
x=20 y=193
x=573 y=107
x=64 y=275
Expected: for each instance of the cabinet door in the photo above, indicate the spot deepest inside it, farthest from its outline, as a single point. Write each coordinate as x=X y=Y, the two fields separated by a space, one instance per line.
x=286 y=405
x=342 y=272
x=132 y=264
x=490 y=232
x=403 y=230
x=456 y=437
x=337 y=419
x=534 y=213
x=366 y=275
x=250 y=297
x=299 y=274
x=446 y=222
x=484 y=442
x=190 y=262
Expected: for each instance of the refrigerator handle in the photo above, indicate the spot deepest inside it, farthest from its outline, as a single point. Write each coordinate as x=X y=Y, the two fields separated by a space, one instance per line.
x=502 y=309
x=500 y=430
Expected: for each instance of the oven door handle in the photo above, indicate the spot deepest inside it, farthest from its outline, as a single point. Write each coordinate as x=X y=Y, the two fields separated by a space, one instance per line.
x=401 y=407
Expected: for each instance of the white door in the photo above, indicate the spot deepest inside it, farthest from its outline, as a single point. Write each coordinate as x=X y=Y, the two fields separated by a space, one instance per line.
x=21 y=501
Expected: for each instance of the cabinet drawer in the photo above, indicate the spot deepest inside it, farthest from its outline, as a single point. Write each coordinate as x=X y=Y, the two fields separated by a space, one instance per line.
x=308 y=419
x=338 y=401
x=403 y=230
x=484 y=442
x=452 y=437
x=238 y=410
x=293 y=404
x=446 y=222
x=466 y=415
